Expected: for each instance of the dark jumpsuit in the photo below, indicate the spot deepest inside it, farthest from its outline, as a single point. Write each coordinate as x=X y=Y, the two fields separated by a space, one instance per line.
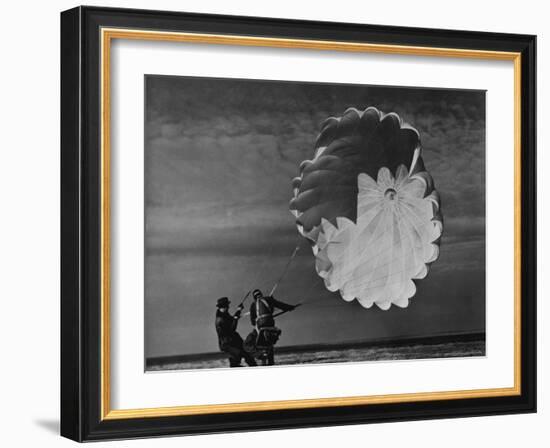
x=267 y=320
x=230 y=341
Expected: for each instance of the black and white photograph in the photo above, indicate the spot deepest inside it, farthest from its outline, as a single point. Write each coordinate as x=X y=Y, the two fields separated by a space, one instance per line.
x=299 y=223
x=316 y=218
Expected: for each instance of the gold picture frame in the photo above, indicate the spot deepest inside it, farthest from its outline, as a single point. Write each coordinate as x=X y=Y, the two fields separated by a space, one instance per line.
x=106 y=31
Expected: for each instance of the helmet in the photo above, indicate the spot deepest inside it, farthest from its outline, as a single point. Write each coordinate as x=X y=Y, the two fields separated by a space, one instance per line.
x=257 y=294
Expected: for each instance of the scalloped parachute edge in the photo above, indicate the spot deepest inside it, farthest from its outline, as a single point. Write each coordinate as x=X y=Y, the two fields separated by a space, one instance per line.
x=433 y=197
x=312 y=234
x=407 y=288
x=381 y=115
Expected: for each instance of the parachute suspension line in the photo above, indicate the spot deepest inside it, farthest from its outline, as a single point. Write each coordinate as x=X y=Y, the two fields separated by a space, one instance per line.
x=296 y=249
x=245 y=297
x=261 y=268
x=311 y=300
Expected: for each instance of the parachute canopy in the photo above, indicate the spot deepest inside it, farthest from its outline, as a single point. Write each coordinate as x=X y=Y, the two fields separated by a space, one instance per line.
x=369 y=207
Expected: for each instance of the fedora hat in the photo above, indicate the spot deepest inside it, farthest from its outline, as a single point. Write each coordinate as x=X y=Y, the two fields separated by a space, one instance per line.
x=223 y=302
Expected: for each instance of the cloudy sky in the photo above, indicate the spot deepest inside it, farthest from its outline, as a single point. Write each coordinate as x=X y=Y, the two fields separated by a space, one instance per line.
x=220 y=155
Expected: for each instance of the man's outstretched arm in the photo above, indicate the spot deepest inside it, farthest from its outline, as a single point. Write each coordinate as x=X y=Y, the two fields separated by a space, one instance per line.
x=237 y=316
x=281 y=305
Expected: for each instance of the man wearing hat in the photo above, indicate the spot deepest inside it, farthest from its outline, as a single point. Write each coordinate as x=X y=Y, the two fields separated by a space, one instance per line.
x=229 y=340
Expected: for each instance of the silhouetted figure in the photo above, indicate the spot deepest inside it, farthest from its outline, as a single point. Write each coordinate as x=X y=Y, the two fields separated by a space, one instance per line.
x=229 y=340
x=266 y=334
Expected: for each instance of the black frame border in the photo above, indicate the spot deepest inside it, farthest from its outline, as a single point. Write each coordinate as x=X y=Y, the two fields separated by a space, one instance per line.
x=81 y=223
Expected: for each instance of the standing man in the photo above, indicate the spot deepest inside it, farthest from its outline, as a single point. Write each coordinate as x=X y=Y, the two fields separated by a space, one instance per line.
x=261 y=317
x=229 y=340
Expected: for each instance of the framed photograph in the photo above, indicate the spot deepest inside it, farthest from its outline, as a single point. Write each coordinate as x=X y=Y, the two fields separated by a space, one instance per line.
x=278 y=224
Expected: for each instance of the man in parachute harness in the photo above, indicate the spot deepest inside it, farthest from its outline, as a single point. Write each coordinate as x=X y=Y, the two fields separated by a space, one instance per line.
x=229 y=340
x=265 y=334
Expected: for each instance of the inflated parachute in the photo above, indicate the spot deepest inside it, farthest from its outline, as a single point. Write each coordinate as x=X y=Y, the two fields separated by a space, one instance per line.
x=369 y=207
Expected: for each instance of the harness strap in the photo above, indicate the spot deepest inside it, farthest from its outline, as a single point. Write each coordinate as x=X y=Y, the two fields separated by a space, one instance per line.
x=258 y=315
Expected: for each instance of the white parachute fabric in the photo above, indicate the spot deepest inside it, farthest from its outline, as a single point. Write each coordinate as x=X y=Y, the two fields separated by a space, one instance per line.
x=369 y=207
x=393 y=241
